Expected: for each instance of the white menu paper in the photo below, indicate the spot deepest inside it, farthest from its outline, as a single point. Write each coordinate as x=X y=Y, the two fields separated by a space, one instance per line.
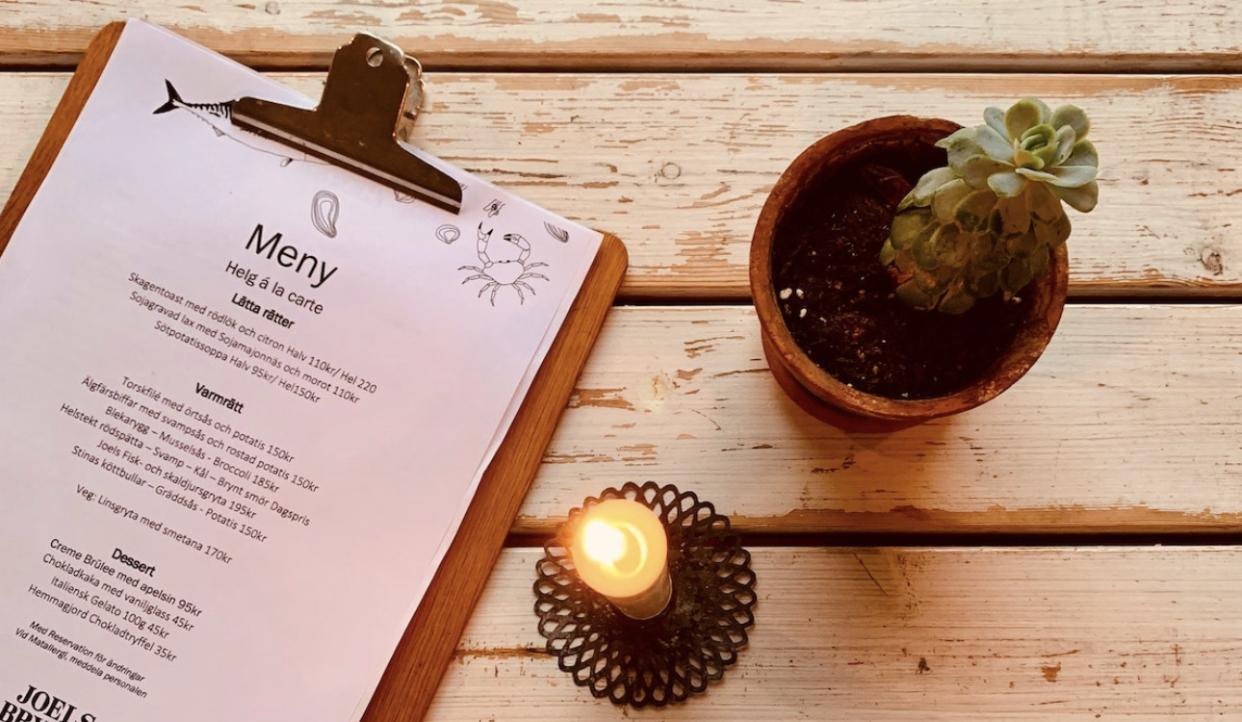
x=245 y=399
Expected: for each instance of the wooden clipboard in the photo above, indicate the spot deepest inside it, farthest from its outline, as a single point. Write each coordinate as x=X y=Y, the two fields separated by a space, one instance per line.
x=406 y=690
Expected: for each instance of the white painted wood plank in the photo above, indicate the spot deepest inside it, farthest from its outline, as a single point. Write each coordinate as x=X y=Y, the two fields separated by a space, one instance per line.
x=903 y=634
x=680 y=165
x=1128 y=423
x=675 y=34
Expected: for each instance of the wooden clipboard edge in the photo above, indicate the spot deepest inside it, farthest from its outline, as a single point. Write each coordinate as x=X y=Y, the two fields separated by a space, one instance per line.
x=409 y=684
x=413 y=675
x=81 y=85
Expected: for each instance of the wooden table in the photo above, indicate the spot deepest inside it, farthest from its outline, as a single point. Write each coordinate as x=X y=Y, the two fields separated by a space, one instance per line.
x=1066 y=551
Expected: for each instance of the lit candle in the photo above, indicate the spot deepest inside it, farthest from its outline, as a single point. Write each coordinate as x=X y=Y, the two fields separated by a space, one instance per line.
x=621 y=551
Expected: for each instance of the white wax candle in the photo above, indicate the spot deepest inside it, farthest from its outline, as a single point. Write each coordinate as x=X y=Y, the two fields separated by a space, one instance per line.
x=620 y=550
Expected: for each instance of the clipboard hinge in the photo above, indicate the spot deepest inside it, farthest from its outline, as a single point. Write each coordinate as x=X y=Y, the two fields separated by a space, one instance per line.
x=370 y=101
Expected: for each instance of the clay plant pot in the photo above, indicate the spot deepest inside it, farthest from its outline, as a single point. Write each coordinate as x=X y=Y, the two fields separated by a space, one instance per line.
x=817 y=391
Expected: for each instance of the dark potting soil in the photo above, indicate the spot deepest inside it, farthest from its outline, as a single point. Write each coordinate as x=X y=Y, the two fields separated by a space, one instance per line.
x=837 y=299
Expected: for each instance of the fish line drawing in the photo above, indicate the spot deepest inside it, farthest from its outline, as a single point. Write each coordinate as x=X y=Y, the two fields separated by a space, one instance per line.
x=504 y=266
x=219 y=117
x=325 y=208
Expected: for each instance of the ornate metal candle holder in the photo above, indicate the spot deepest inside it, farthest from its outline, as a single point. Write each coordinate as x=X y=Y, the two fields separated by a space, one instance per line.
x=674 y=654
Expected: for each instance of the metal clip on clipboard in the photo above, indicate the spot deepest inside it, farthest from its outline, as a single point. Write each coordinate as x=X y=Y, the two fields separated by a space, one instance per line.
x=370 y=100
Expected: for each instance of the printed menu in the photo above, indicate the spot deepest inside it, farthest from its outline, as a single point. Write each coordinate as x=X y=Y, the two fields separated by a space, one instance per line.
x=245 y=400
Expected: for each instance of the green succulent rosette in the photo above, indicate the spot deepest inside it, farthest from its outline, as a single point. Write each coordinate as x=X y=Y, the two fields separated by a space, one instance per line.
x=990 y=219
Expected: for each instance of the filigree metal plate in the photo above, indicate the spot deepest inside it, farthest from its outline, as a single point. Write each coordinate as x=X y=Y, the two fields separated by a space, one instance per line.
x=675 y=654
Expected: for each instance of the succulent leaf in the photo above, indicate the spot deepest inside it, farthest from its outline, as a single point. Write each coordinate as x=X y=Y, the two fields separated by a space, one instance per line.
x=990 y=219
x=947 y=197
x=1040 y=145
x=973 y=211
x=982 y=285
x=905 y=262
x=1081 y=199
x=1065 y=176
x=888 y=254
x=1022 y=246
x=908 y=226
x=976 y=170
x=1021 y=117
x=956 y=299
x=1039 y=261
x=995 y=117
x=1025 y=159
x=1008 y=184
x=952 y=246
x=1013 y=217
x=960 y=146
x=1042 y=203
x=924 y=251
x=1052 y=233
x=994 y=144
x=922 y=192
x=1014 y=277
x=990 y=254
x=1072 y=116
x=1066 y=139
x=1043 y=107
x=910 y=294
x=1083 y=153
x=934 y=282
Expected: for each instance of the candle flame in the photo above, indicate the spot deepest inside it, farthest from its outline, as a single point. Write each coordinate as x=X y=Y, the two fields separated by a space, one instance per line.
x=603 y=542
x=620 y=549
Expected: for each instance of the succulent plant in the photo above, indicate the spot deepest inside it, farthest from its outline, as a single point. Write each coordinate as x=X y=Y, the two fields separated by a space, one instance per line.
x=990 y=219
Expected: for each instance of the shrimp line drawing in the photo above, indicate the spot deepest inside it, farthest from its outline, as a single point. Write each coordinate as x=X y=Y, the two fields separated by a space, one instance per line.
x=505 y=266
x=218 y=116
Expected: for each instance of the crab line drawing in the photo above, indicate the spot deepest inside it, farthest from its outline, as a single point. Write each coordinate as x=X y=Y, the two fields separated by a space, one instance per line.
x=505 y=266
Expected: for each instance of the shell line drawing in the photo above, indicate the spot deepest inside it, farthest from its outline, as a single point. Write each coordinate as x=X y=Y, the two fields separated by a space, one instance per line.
x=504 y=266
x=448 y=233
x=325 y=209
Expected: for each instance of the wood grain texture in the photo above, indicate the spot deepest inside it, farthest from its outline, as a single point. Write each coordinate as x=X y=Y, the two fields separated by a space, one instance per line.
x=1128 y=423
x=903 y=634
x=1064 y=35
x=68 y=107
x=680 y=165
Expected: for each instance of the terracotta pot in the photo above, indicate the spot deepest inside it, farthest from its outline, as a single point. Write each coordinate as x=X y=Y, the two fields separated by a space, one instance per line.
x=813 y=388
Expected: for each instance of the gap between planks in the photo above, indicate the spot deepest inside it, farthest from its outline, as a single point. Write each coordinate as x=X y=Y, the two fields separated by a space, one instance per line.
x=679 y=166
